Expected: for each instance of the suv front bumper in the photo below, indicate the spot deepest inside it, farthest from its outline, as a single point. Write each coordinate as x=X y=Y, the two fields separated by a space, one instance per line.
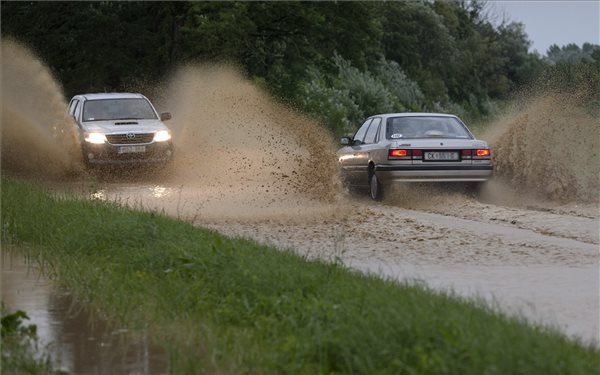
x=147 y=153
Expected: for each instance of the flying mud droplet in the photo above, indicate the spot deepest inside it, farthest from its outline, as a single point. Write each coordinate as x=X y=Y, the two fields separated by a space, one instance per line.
x=241 y=153
x=38 y=137
x=550 y=148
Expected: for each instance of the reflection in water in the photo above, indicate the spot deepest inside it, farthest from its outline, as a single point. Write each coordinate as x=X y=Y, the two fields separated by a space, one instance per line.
x=159 y=191
x=100 y=195
x=81 y=343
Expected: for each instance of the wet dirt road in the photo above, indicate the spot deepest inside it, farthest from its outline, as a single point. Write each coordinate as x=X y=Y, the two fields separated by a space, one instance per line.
x=541 y=261
x=247 y=165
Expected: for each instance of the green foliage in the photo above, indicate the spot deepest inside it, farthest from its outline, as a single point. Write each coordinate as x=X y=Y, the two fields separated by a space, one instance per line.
x=437 y=44
x=520 y=66
x=339 y=61
x=575 y=71
x=334 y=106
x=573 y=54
x=20 y=349
x=12 y=325
x=344 y=98
x=406 y=91
x=368 y=92
x=222 y=305
x=98 y=46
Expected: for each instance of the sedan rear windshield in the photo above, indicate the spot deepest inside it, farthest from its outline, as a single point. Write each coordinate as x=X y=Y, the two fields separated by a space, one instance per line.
x=118 y=109
x=426 y=127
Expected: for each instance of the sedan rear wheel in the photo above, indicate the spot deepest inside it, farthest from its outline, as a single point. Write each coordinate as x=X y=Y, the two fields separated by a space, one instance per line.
x=376 y=190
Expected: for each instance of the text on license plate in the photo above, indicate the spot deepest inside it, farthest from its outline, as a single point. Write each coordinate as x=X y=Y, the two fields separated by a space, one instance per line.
x=438 y=155
x=131 y=149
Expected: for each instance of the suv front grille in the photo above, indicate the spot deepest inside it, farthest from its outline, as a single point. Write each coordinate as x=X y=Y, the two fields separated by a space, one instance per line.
x=129 y=138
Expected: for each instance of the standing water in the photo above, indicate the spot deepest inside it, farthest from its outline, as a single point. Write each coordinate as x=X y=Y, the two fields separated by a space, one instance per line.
x=80 y=342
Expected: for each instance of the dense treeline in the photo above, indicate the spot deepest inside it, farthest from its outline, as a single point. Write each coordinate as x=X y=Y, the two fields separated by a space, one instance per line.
x=337 y=60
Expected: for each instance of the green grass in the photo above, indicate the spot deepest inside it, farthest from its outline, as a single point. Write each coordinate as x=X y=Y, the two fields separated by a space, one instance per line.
x=220 y=305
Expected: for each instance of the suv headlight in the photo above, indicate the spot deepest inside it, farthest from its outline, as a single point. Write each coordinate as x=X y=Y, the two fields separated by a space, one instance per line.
x=96 y=138
x=162 y=136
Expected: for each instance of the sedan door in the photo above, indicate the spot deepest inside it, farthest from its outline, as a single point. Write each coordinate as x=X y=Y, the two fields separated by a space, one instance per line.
x=348 y=156
x=356 y=157
x=365 y=152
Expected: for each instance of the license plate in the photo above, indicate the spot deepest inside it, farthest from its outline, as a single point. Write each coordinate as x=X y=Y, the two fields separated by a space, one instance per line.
x=440 y=155
x=131 y=149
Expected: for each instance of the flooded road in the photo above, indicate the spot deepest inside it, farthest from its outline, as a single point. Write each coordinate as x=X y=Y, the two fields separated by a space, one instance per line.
x=538 y=261
x=565 y=298
x=79 y=342
x=248 y=166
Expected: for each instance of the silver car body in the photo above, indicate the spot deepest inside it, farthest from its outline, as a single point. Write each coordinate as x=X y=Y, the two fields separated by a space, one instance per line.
x=123 y=134
x=450 y=154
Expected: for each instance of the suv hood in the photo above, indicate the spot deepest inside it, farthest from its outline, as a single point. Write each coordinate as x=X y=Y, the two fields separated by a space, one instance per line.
x=124 y=126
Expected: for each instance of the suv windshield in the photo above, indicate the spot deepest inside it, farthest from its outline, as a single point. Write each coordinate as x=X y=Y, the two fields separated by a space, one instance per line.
x=425 y=127
x=117 y=109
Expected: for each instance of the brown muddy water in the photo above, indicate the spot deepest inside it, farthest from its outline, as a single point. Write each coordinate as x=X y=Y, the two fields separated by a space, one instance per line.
x=79 y=341
x=248 y=166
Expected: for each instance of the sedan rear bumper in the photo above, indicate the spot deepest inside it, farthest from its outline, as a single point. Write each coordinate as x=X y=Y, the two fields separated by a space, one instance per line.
x=437 y=173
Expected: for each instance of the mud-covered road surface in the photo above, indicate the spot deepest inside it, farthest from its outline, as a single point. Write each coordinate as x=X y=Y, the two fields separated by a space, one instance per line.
x=247 y=165
x=540 y=260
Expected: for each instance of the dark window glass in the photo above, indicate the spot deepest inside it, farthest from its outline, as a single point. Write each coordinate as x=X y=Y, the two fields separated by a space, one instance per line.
x=426 y=127
x=117 y=109
x=359 y=137
x=72 y=106
x=77 y=110
x=373 y=130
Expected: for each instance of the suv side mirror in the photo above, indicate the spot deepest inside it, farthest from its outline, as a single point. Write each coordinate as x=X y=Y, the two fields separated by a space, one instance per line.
x=165 y=116
x=346 y=141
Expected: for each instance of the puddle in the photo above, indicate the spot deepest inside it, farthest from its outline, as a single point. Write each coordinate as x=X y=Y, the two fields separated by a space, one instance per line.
x=566 y=298
x=81 y=343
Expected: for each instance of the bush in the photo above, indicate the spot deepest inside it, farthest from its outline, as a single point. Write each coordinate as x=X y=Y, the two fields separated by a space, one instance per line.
x=344 y=98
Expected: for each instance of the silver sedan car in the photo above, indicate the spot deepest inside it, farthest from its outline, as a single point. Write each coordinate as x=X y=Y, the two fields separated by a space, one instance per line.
x=412 y=147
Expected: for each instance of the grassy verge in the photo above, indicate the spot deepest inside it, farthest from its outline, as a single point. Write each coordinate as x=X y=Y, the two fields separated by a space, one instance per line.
x=222 y=305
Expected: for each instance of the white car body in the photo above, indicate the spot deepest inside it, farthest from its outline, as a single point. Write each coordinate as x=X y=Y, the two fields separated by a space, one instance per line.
x=121 y=135
x=375 y=157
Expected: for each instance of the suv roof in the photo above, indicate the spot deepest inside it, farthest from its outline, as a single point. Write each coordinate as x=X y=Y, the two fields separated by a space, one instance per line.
x=111 y=95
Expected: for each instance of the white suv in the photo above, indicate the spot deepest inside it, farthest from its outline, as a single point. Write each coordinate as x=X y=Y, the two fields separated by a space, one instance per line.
x=121 y=128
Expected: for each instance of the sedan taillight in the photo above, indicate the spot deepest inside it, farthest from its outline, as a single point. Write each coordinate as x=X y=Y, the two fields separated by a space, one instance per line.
x=482 y=153
x=399 y=154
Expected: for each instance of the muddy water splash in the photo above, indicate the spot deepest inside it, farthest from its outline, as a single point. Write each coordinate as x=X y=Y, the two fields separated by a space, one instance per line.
x=239 y=152
x=550 y=148
x=38 y=137
x=248 y=155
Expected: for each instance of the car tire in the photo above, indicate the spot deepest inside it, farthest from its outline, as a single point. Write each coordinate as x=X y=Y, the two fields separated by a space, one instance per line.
x=376 y=189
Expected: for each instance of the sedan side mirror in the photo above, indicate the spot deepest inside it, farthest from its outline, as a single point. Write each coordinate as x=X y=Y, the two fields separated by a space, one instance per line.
x=346 y=141
x=165 y=116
